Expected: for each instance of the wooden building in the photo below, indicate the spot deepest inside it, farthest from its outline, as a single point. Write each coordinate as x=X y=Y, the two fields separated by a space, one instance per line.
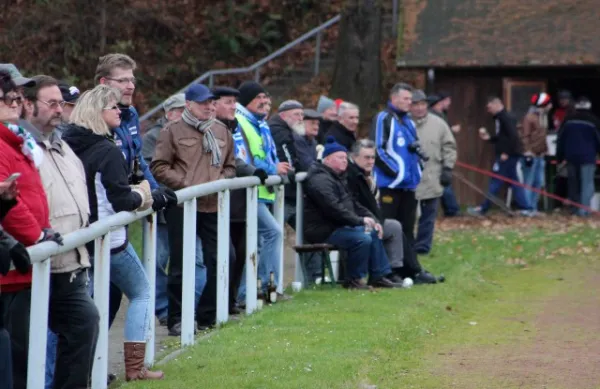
x=508 y=48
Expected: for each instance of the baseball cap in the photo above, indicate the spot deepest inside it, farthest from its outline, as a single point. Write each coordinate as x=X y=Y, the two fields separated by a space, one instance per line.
x=70 y=93
x=199 y=93
x=175 y=101
x=16 y=75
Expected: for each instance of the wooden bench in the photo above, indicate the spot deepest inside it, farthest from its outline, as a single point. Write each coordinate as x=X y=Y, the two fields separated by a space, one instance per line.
x=306 y=252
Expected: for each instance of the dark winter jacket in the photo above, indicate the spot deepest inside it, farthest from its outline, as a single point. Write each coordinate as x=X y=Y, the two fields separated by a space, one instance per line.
x=579 y=138
x=283 y=136
x=342 y=135
x=306 y=149
x=150 y=138
x=359 y=187
x=107 y=179
x=329 y=205
x=506 y=137
x=324 y=125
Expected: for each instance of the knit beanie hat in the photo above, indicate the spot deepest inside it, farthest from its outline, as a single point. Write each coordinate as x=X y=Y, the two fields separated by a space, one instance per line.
x=540 y=100
x=331 y=146
x=324 y=104
x=248 y=92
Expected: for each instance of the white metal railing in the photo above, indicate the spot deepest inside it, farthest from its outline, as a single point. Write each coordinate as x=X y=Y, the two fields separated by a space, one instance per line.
x=100 y=233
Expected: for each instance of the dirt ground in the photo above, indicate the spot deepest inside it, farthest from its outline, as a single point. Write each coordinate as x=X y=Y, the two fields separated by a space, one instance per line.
x=562 y=351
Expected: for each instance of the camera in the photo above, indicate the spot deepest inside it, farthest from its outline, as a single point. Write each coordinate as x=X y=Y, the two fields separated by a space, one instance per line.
x=415 y=148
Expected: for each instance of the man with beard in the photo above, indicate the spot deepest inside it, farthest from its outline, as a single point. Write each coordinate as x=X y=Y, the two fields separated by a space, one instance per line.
x=288 y=122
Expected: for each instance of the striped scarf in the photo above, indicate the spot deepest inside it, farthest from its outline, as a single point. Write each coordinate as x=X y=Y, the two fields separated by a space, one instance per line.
x=209 y=142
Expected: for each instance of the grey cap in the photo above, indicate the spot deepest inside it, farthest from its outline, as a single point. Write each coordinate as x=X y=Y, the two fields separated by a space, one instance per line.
x=289 y=105
x=311 y=114
x=324 y=104
x=418 y=95
x=16 y=75
x=175 y=101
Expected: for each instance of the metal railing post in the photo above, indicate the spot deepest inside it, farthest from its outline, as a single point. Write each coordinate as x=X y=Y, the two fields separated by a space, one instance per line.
x=223 y=240
x=149 y=239
x=298 y=276
x=189 y=273
x=278 y=212
x=395 y=18
x=101 y=298
x=257 y=75
x=317 y=54
x=211 y=81
x=38 y=326
x=251 y=247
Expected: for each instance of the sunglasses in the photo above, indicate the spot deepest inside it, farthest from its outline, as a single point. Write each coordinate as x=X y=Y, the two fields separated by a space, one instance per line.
x=9 y=100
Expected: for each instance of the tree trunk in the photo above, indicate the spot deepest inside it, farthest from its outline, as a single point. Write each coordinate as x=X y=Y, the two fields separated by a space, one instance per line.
x=102 y=47
x=357 y=75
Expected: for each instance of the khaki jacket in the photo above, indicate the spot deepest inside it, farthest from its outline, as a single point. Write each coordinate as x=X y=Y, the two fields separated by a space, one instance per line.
x=180 y=161
x=64 y=180
x=438 y=144
x=533 y=135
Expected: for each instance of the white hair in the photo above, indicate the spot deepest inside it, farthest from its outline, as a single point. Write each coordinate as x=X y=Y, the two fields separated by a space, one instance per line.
x=347 y=106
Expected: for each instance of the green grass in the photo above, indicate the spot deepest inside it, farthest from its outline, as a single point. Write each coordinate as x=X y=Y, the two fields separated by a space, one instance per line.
x=339 y=339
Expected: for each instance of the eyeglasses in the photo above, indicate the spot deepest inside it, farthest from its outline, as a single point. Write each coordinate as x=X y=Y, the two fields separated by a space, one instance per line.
x=54 y=104
x=123 y=80
x=9 y=100
x=114 y=107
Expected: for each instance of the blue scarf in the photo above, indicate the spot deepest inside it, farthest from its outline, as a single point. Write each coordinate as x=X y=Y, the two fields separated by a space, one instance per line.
x=395 y=110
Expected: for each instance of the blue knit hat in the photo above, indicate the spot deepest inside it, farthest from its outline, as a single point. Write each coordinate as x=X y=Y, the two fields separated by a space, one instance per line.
x=331 y=146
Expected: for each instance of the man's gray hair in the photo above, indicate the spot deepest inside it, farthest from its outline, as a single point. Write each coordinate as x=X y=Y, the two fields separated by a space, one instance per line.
x=347 y=106
x=362 y=144
x=400 y=87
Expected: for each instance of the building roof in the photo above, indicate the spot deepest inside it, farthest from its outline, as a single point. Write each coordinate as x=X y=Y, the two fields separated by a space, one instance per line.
x=499 y=32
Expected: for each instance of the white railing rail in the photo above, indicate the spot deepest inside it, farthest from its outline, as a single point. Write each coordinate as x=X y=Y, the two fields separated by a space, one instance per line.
x=100 y=233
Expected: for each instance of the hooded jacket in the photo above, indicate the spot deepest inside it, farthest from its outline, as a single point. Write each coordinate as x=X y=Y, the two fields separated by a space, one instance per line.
x=26 y=220
x=579 y=138
x=329 y=204
x=107 y=179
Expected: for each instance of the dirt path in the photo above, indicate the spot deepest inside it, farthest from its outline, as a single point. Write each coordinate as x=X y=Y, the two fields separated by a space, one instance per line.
x=558 y=349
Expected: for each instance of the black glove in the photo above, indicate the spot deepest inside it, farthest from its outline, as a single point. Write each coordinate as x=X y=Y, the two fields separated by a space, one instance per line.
x=52 y=236
x=20 y=257
x=260 y=173
x=446 y=177
x=163 y=198
x=291 y=175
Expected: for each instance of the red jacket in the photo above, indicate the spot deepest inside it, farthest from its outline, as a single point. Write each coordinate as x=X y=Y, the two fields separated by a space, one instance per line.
x=30 y=215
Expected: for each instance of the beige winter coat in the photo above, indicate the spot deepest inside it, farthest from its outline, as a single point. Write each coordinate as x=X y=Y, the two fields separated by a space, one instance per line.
x=65 y=184
x=437 y=142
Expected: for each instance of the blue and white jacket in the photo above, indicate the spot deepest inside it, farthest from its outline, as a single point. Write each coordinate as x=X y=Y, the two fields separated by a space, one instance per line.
x=260 y=126
x=127 y=137
x=396 y=167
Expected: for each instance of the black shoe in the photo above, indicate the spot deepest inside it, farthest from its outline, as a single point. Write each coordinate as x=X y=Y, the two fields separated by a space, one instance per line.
x=110 y=378
x=163 y=322
x=425 y=277
x=175 y=330
x=206 y=327
x=355 y=284
x=395 y=278
x=233 y=310
x=384 y=282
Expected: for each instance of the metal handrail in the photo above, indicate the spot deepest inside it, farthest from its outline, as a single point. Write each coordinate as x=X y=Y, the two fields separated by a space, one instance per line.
x=257 y=65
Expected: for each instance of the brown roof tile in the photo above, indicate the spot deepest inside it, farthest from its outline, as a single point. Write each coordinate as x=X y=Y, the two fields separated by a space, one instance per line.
x=500 y=32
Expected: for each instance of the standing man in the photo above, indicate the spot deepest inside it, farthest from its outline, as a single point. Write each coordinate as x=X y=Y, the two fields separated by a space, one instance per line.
x=251 y=111
x=116 y=70
x=173 y=107
x=194 y=150
x=72 y=312
x=327 y=108
x=579 y=144
x=440 y=147
x=344 y=129
x=508 y=150
x=535 y=131
x=397 y=166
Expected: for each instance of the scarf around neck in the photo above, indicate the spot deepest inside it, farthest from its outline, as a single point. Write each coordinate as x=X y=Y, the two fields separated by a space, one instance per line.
x=29 y=148
x=209 y=142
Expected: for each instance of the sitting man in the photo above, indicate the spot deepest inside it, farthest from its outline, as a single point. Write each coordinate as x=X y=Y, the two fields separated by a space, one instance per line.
x=333 y=216
x=362 y=185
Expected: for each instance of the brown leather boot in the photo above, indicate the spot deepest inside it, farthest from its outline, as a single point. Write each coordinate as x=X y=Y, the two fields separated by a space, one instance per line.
x=135 y=352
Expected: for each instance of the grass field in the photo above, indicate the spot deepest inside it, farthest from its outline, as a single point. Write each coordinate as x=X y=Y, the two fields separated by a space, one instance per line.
x=333 y=338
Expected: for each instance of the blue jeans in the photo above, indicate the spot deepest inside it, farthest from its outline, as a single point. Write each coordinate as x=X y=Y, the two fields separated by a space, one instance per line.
x=128 y=274
x=449 y=203
x=162 y=279
x=51 y=346
x=366 y=254
x=426 y=226
x=581 y=185
x=535 y=177
x=270 y=236
x=506 y=169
